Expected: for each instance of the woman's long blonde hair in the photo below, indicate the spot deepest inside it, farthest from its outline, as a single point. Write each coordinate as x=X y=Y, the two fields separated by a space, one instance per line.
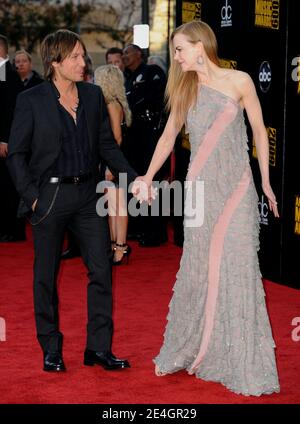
x=181 y=91
x=111 y=81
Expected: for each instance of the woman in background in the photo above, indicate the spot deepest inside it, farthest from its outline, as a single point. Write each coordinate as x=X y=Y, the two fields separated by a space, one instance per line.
x=111 y=81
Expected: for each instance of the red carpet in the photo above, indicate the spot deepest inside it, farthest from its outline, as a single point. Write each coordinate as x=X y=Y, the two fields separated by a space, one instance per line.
x=142 y=292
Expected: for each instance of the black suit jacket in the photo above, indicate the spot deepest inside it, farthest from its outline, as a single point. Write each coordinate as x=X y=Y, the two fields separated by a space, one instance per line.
x=36 y=79
x=9 y=90
x=35 y=139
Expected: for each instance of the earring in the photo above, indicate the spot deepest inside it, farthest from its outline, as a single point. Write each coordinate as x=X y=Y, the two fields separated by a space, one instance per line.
x=200 y=60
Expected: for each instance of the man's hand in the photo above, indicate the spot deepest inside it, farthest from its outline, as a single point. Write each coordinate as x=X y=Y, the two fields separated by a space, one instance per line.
x=34 y=205
x=143 y=191
x=3 y=150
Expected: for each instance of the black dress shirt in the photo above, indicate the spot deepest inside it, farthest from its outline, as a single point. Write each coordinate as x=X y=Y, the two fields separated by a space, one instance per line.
x=75 y=156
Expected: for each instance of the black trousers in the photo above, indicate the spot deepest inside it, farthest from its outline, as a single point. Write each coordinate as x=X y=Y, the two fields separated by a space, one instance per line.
x=9 y=223
x=61 y=207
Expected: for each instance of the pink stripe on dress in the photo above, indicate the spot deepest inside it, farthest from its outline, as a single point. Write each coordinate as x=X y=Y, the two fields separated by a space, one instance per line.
x=215 y=256
x=211 y=139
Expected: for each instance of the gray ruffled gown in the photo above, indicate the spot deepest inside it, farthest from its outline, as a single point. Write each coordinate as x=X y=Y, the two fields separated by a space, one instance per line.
x=218 y=327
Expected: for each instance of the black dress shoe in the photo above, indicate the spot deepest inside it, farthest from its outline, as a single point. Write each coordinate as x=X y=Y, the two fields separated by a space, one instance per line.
x=70 y=254
x=53 y=361
x=105 y=359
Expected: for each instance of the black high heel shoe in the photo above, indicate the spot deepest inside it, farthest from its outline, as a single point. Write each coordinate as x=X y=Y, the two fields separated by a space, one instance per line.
x=126 y=250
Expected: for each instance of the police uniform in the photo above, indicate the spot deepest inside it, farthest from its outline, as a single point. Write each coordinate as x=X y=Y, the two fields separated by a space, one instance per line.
x=145 y=88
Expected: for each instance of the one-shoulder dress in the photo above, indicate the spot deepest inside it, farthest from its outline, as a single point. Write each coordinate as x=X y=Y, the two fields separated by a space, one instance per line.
x=218 y=326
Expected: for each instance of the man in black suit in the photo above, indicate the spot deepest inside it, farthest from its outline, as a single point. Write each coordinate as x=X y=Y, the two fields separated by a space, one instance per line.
x=63 y=125
x=11 y=227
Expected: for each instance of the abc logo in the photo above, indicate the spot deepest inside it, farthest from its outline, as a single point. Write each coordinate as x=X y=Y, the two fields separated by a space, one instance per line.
x=265 y=76
x=263 y=207
x=263 y=211
x=226 y=15
x=226 y=12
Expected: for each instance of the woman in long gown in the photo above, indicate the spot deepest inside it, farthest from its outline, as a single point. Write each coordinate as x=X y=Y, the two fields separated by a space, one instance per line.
x=218 y=327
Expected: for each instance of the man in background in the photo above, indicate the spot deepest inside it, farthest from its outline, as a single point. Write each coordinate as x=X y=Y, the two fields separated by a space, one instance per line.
x=12 y=228
x=114 y=56
x=145 y=88
x=23 y=65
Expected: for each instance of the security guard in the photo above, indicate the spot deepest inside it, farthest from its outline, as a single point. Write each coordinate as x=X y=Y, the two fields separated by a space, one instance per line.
x=145 y=88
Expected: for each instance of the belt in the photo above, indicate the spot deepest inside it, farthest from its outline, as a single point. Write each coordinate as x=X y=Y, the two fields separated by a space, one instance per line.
x=71 y=180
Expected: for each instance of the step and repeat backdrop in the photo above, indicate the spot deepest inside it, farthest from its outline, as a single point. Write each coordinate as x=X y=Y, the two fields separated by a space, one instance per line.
x=261 y=37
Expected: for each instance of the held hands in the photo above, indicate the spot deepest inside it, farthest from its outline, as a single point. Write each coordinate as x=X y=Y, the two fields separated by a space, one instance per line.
x=271 y=198
x=143 y=191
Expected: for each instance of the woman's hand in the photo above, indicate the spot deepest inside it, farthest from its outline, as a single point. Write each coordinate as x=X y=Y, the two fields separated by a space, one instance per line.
x=142 y=189
x=271 y=198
